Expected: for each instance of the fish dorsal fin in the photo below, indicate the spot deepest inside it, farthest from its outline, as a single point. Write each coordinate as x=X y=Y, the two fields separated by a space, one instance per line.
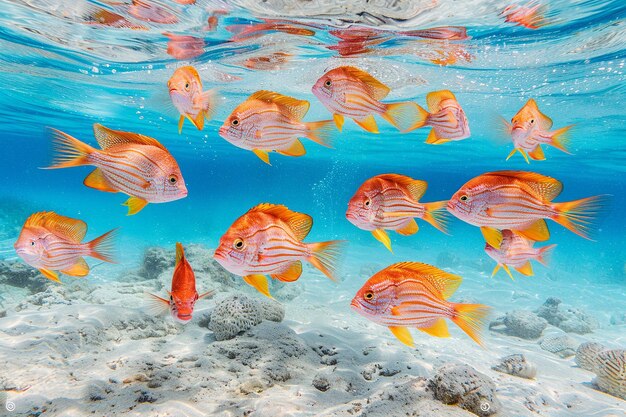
x=180 y=253
x=433 y=99
x=73 y=230
x=108 y=137
x=296 y=108
x=443 y=282
x=543 y=121
x=299 y=223
x=546 y=187
x=416 y=188
x=377 y=89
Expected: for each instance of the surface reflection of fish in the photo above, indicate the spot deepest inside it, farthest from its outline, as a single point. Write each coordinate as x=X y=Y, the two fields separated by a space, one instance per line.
x=449 y=33
x=103 y=17
x=255 y=30
x=213 y=20
x=184 y=46
x=530 y=15
x=149 y=12
x=516 y=251
x=271 y=62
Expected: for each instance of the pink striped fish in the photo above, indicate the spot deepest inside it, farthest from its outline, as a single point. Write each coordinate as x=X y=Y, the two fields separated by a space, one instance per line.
x=352 y=92
x=517 y=251
x=413 y=294
x=520 y=201
x=268 y=240
x=268 y=121
x=51 y=242
x=446 y=118
x=391 y=202
x=129 y=163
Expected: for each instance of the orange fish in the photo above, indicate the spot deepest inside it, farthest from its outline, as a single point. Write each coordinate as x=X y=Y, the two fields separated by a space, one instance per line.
x=349 y=91
x=268 y=121
x=149 y=12
x=413 y=294
x=191 y=102
x=128 y=163
x=50 y=242
x=183 y=46
x=391 y=202
x=530 y=128
x=446 y=118
x=516 y=251
x=530 y=15
x=268 y=240
x=183 y=295
x=521 y=201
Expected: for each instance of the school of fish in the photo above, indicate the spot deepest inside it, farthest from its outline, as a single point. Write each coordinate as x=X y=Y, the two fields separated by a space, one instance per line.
x=268 y=241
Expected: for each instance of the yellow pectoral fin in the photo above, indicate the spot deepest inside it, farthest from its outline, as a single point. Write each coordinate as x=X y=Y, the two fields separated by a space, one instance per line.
x=260 y=283
x=523 y=152
x=368 y=123
x=339 y=120
x=511 y=154
x=495 y=270
x=508 y=271
x=526 y=269
x=538 y=231
x=80 y=269
x=199 y=120
x=492 y=236
x=181 y=122
x=290 y=274
x=96 y=180
x=438 y=329
x=383 y=238
x=135 y=205
x=263 y=155
x=410 y=229
x=403 y=335
x=51 y=275
x=537 y=154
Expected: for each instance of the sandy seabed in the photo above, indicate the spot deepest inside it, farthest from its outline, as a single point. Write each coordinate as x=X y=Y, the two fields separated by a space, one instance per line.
x=89 y=348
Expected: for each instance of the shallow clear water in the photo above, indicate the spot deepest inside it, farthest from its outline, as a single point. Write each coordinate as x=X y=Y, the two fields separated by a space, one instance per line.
x=60 y=70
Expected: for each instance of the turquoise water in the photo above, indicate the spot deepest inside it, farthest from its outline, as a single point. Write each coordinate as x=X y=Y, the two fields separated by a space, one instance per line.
x=60 y=72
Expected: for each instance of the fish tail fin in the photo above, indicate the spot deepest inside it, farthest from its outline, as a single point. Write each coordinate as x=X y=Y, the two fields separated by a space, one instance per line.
x=103 y=247
x=471 y=319
x=543 y=257
x=437 y=215
x=581 y=216
x=325 y=256
x=560 y=138
x=405 y=116
x=69 y=151
x=321 y=132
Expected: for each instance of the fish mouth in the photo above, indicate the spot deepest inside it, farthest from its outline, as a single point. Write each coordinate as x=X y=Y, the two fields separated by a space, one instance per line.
x=355 y=305
x=450 y=206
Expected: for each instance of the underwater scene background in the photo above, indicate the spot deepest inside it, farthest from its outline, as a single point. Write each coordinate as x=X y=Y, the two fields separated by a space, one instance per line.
x=90 y=346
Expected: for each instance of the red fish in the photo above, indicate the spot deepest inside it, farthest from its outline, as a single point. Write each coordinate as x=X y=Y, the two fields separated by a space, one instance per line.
x=530 y=15
x=446 y=117
x=183 y=294
x=413 y=294
x=521 y=201
x=530 y=129
x=517 y=251
x=391 y=202
x=268 y=240
x=50 y=243
x=352 y=92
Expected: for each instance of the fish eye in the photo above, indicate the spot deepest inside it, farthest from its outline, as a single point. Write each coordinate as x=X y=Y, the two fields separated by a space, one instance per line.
x=368 y=202
x=328 y=83
x=32 y=243
x=187 y=86
x=463 y=198
x=368 y=295
x=171 y=298
x=532 y=121
x=238 y=244
x=234 y=122
x=172 y=179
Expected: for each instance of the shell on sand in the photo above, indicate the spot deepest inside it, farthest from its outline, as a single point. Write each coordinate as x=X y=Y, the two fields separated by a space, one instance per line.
x=516 y=365
x=587 y=355
x=611 y=372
